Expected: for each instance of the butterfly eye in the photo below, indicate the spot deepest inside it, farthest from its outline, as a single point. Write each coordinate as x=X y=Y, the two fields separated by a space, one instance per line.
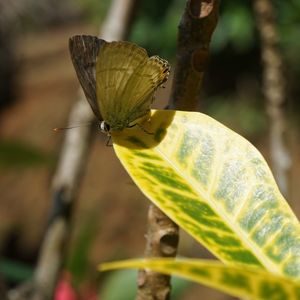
x=104 y=127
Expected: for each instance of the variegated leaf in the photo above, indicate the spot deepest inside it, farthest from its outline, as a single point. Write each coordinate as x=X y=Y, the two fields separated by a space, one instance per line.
x=215 y=185
x=244 y=282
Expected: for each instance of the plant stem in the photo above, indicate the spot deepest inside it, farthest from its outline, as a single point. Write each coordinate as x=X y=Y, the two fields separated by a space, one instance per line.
x=195 y=30
x=197 y=24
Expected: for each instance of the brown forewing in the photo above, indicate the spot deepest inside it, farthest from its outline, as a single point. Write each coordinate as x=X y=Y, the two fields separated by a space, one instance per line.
x=84 y=51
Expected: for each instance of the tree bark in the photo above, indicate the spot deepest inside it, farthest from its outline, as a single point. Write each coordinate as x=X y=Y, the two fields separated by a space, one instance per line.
x=195 y=30
x=161 y=241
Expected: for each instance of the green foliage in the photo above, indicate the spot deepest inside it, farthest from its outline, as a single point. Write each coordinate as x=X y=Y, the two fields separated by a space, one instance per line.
x=235 y=27
x=150 y=30
x=122 y=285
x=154 y=10
x=119 y=285
x=19 y=154
x=95 y=10
x=77 y=262
x=288 y=16
x=15 y=271
x=249 y=117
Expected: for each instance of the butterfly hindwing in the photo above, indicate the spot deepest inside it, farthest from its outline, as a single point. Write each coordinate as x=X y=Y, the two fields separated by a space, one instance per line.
x=142 y=85
x=116 y=63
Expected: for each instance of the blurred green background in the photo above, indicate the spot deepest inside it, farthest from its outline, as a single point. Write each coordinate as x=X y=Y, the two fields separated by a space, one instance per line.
x=37 y=88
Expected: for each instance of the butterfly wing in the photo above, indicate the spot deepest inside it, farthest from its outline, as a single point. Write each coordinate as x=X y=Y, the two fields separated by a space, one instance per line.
x=117 y=62
x=139 y=91
x=84 y=51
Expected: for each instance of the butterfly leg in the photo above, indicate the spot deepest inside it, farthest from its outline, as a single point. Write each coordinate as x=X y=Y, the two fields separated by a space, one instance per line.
x=141 y=127
x=109 y=142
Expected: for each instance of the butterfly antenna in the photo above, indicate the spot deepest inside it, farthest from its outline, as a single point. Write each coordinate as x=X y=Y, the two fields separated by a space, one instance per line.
x=57 y=129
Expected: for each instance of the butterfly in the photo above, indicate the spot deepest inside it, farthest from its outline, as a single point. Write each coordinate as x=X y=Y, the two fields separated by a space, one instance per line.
x=119 y=79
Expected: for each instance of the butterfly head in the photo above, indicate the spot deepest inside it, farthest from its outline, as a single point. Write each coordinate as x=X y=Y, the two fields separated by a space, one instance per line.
x=104 y=127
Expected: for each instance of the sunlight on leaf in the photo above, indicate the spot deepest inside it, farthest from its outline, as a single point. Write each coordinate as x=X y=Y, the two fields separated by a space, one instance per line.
x=216 y=186
x=237 y=281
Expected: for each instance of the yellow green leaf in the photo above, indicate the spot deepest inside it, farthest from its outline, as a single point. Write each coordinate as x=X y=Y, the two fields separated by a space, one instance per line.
x=245 y=282
x=215 y=185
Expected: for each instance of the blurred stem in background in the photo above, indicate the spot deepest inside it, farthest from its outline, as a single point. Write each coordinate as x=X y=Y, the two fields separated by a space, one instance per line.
x=273 y=90
x=68 y=176
x=72 y=162
x=3 y=292
x=8 y=58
